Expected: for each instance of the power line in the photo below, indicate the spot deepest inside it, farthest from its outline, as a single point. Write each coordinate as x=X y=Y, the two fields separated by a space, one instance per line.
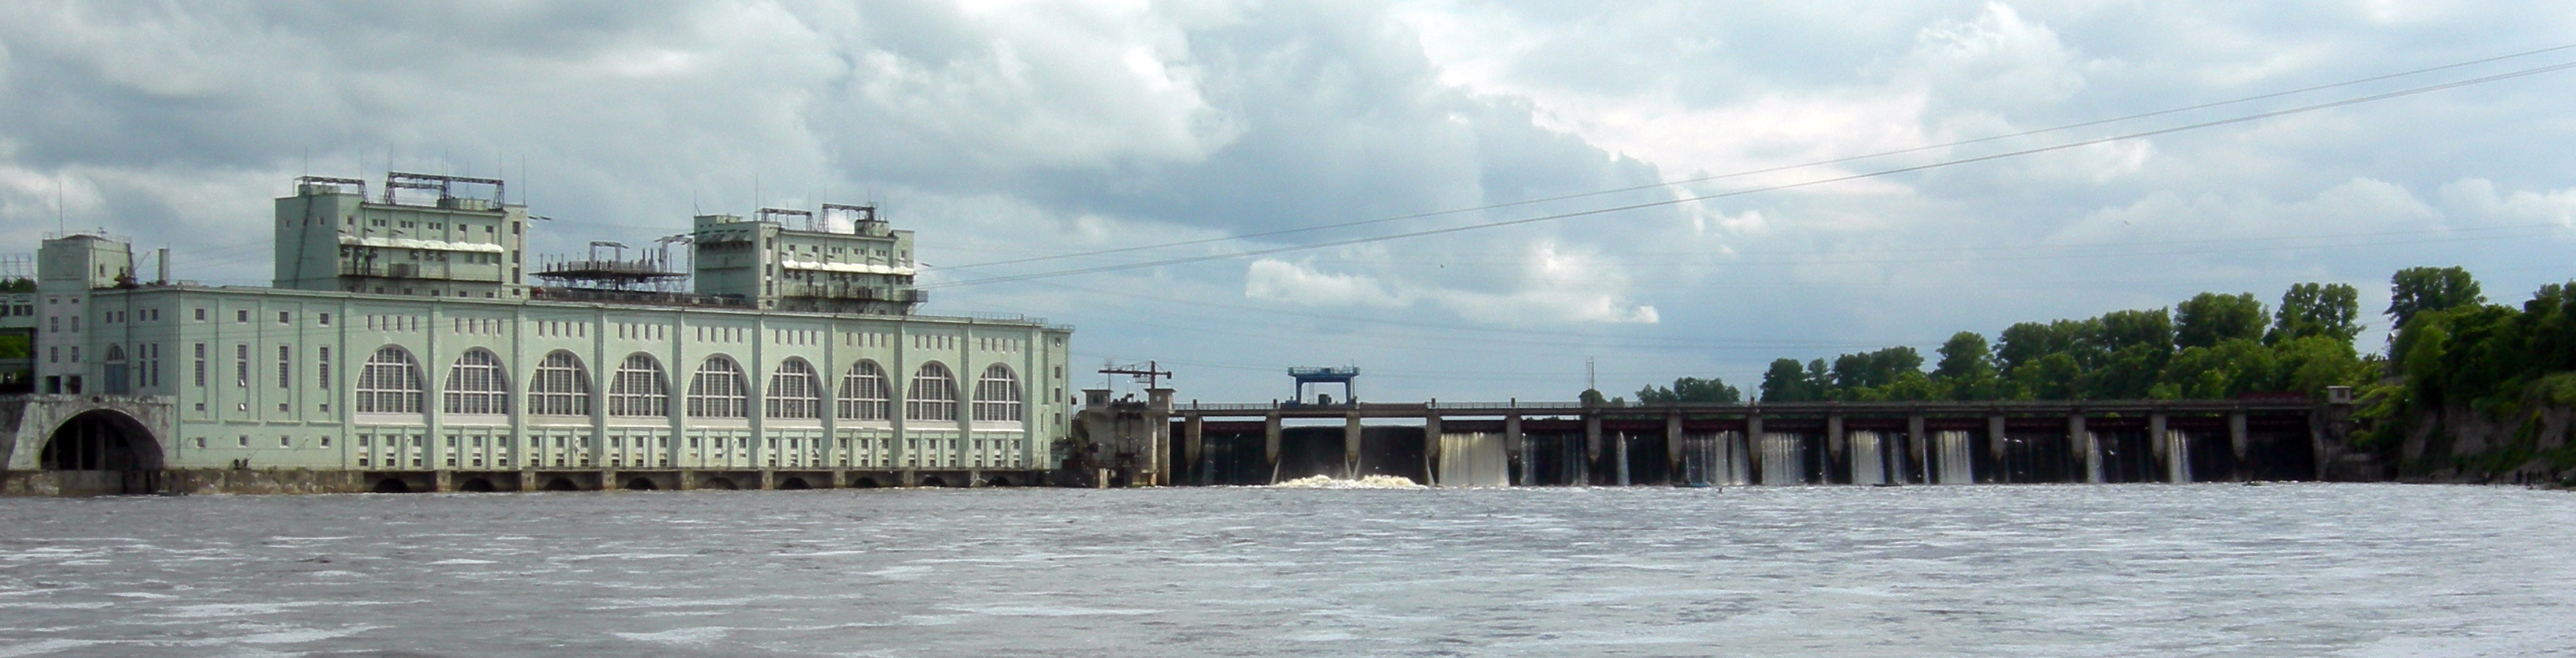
x=1756 y=190
x=1740 y=174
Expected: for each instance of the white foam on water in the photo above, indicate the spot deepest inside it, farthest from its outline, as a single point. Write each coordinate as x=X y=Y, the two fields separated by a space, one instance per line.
x=300 y=635
x=1055 y=611
x=454 y=561
x=689 y=636
x=1369 y=482
x=42 y=647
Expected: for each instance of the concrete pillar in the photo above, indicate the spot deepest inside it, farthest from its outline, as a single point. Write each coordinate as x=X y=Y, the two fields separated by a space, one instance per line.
x=1838 y=452
x=1591 y=443
x=1270 y=445
x=2236 y=440
x=1995 y=448
x=2175 y=453
x=1192 y=443
x=1518 y=444
x=2085 y=446
x=688 y=480
x=1351 y=446
x=769 y=479
x=1619 y=452
x=1753 y=448
x=1431 y=447
x=1675 y=471
x=441 y=481
x=1920 y=457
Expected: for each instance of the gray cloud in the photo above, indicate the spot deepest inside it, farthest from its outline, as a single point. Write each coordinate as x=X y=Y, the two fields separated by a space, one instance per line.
x=1010 y=131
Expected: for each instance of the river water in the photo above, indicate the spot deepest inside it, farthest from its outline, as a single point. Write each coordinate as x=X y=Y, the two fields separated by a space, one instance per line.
x=2103 y=570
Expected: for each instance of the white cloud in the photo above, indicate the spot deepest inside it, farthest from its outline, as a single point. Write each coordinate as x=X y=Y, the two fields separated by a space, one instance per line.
x=1004 y=130
x=2477 y=197
x=1281 y=281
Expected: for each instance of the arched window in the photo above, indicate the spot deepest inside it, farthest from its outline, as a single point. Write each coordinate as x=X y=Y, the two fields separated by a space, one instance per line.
x=477 y=385
x=561 y=387
x=390 y=384
x=934 y=394
x=640 y=390
x=719 y=390
x=864 y=392
x=794 y=391
x=997 y=395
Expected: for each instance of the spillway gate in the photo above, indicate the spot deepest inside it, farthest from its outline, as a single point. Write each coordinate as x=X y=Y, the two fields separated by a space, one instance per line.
x=1693 y=444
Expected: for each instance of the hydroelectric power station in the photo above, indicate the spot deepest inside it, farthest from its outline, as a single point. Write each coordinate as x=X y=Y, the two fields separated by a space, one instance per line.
x=401 y=349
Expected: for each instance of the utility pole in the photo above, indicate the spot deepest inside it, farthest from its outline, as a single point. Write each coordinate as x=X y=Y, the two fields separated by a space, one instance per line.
x=1151 y=373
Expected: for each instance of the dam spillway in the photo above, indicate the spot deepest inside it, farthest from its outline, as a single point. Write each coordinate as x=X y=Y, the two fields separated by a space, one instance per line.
x=1774 y=444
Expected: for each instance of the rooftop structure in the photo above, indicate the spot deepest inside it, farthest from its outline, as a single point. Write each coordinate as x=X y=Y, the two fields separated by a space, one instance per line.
x=401 y=349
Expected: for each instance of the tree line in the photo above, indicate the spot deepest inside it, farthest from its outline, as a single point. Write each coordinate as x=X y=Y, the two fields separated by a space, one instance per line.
x=2449 y=345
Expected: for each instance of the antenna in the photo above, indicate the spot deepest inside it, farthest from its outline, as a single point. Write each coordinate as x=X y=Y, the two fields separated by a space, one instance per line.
x=60 y=226
x=1591 y=375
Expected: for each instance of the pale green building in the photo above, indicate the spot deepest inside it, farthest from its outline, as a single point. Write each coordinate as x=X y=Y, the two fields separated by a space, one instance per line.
x=402 y=348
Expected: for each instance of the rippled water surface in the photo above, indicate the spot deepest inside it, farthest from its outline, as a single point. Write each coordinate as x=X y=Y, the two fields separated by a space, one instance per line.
x=2284 y=570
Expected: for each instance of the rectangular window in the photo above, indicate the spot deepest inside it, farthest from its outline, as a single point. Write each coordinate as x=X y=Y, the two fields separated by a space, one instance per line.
x=201 y=315
x=325 y=319
x=284 y=318
x=201 y=365
x=241 y=365
x=285 y=362
x=322 y=369
x=241 y=316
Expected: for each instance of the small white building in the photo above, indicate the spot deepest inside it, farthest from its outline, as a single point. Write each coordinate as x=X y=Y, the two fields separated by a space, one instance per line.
x=402 y=349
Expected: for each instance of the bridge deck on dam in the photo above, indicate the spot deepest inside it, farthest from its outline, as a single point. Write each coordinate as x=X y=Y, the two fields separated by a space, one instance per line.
x=1870 y=443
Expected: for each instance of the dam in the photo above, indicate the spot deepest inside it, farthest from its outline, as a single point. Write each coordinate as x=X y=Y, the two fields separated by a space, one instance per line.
x=1525 y=443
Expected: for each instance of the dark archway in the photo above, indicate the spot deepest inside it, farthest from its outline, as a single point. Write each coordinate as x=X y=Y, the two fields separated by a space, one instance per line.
x=101 y=440
x=391 y=485
x=794 y=483
x=933 y=481
x=997 y=481
x=865 y=483
x=721 y=483
x=477 y=485
x=561 y=484
x=640 y=484
x=121 y=454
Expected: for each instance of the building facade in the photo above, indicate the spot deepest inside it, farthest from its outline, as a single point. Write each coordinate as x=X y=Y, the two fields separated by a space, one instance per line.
x=402 y=350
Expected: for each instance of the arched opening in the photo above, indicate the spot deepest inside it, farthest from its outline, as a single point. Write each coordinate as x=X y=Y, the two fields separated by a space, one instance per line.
x=391 y=485
x=865 y=483
x=120 y=455
x=933 y=481
x=477 y=485
x=721 y=483
x=640 y=484
x=997 y=481
x=101 y=440
x=561 y=484
x=794 y=483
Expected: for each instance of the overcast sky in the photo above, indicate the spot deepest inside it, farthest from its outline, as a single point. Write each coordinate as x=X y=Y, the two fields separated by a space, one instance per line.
x=1006 y=131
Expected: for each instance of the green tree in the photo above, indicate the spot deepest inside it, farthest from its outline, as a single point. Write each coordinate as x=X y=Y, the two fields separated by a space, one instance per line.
x=1963 y=356
x=1876 y=368
x=1786 y=382
x=2025 y=342
x=2417 y=290
x=2152 y=329
x=2208 y=319
x=1691 y=389
x=2228 y=369
x=2332 y=310
x=19 y=284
